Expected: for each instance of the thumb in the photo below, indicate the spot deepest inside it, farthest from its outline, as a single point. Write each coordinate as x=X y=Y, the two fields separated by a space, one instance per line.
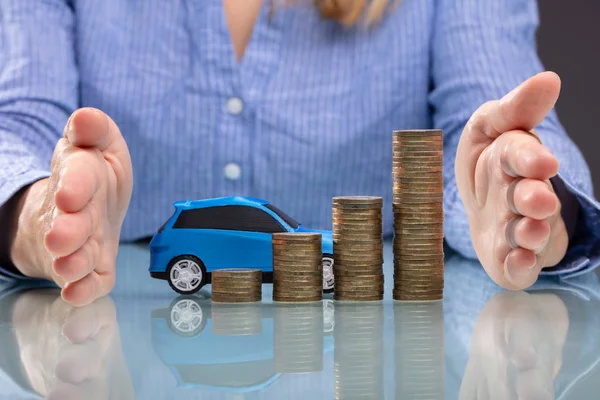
x=522 y=109
x=90 y=127
x=526 y=106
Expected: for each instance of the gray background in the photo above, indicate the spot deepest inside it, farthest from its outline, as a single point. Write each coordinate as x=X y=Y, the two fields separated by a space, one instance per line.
x=569 y=44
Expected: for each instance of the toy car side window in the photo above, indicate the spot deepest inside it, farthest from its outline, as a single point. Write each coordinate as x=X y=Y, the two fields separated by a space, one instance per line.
x=237 y=218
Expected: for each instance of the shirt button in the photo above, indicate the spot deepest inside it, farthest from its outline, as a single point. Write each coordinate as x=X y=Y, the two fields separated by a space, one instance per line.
x=232 y=171
x=235 y=105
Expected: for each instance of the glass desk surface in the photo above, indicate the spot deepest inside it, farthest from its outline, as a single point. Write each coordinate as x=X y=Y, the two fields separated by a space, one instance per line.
x=145 y=342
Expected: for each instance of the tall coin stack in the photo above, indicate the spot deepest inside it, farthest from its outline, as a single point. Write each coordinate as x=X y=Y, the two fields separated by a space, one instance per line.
x=358 y=248
x=297 y=267
x=236 y=285
x=419 y=350
x=418 y=215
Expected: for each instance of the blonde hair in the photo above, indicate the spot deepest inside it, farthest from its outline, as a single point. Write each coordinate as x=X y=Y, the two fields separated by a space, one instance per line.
x=346 y=12
x=350 y=12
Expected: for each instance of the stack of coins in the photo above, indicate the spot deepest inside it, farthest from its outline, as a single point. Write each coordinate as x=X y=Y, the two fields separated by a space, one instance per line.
x=418 y=215
x=419 y=350
x=236 y=319
x=358 y=248
x=297 y=267
x=358 y=351
x=236 y=285
x=298 y=338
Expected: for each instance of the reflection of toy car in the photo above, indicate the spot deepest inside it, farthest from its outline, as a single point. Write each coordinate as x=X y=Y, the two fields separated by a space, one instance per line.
x=208 y=346
x=228 y=232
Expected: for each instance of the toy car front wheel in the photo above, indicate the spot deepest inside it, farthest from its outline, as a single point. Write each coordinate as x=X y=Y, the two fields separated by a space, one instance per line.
x=328 y=279
x=186 y=274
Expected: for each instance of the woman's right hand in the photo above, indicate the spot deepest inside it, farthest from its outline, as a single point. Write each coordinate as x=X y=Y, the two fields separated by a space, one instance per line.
x=69 y=224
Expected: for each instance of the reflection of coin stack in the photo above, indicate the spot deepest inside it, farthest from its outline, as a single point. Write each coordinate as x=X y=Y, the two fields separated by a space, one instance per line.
x=419 y=350
x=418 y=215
x=237 y=285
x=236 y=319
x=358 y=351
x=297 y=267
x=298 y=338
x=358 y=248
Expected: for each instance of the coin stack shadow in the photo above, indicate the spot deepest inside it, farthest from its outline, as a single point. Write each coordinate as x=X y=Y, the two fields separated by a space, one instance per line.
x=418 y=215
x=236 y=319
x=358 y=351
x=298 y=338
x=358 y=248
x=419 y=350
x=297 y=267
x=236 y=285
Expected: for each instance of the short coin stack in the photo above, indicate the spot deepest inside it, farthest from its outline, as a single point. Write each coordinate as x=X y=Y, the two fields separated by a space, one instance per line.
x=418 y=215
x=297 y=267
x=358 y=248
x=419 y=350
x=236 y=285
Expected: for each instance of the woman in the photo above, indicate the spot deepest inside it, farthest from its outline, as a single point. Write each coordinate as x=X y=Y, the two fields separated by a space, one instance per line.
x=292 y=104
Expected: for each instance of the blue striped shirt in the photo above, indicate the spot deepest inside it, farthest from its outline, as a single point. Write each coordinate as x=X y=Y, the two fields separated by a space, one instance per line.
x=305 y=116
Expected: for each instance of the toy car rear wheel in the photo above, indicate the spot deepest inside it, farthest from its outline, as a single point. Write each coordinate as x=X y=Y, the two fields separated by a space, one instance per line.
x=186 y=274
x=328 y=278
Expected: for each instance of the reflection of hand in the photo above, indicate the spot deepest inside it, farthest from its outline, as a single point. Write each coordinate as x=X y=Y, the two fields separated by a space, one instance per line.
x=71 y=353
x=516 y=349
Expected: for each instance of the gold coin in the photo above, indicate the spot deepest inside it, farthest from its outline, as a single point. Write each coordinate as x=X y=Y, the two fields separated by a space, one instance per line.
x=357 y=230
x=417 y=187
x=298 y=252
x=350 y=261
x=410 y=151
x=241 y=273
x=287 y=299
x=357 y=236
x=418 y=132
x=422 y=264
x=352 y=223
x=407 y=148
x=345 y=246
x=423 y=207
x=357 y=199
x=359 y=273
x=377 y=297
x=297 y=292
x=420 y=219
x=432 y=181
x=410 y=160
x=404 y=170
x=253 y=294
x=236 y=283
x=298 y=259
x=298 y=282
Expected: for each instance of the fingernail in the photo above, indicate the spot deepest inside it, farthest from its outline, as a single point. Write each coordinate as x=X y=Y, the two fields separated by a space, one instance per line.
x=542 y=246
x=517 y=273
x=69 y=127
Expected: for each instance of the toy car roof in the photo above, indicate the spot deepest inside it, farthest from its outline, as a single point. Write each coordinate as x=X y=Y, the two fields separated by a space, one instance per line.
x=220 y=201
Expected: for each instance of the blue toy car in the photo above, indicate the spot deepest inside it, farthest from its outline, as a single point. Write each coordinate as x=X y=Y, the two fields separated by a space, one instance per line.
x=227 y=232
